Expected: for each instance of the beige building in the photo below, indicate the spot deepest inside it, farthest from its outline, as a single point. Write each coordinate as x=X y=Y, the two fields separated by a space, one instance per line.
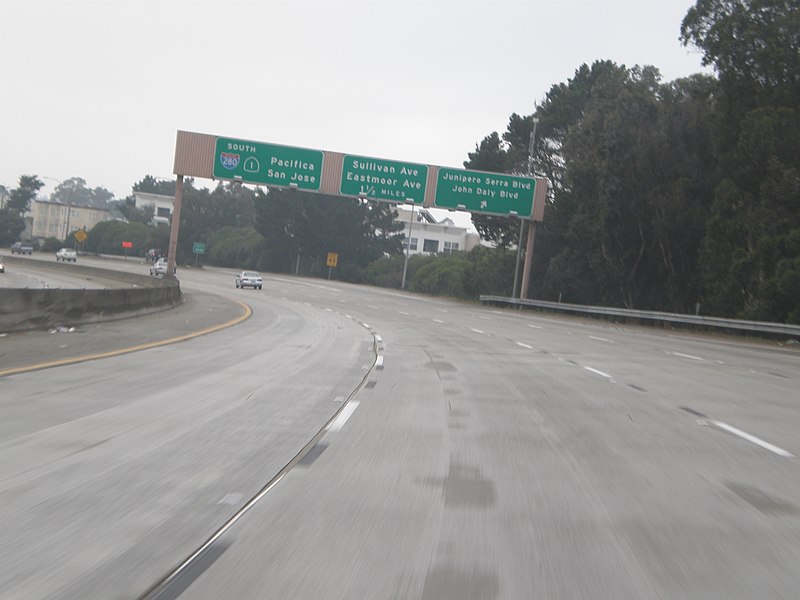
x=56 y=220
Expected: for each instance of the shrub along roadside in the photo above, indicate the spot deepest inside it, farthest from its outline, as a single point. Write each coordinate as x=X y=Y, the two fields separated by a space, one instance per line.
x=461 y=275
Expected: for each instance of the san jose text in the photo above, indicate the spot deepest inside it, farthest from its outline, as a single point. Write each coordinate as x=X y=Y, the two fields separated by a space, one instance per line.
x=292 y=170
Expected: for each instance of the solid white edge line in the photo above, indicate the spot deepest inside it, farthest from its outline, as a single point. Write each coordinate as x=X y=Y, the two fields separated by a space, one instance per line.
x=751 y=438
x=596 y=372
x=341 y=419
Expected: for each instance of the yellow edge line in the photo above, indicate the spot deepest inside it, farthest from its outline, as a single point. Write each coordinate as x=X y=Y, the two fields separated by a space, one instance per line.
x=87 y=357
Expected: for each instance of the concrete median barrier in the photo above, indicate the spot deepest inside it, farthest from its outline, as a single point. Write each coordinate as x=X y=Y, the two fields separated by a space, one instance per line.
x=28 y=309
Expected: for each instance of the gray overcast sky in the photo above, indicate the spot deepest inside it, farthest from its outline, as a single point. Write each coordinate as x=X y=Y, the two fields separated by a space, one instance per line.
x=98 y=88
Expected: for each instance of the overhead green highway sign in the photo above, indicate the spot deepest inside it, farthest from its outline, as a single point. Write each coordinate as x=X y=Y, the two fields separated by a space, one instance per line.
x=383 y=179
x=480 y=192
x=267 y=164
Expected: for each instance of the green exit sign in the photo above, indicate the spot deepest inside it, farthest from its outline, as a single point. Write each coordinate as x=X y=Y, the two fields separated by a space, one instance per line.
x=268 y=164
x=480 y=192
x=383 y=179
x=198 y=248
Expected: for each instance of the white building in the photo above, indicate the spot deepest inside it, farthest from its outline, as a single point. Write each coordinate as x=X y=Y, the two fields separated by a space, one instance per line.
x=429 y=236
x=161 y=205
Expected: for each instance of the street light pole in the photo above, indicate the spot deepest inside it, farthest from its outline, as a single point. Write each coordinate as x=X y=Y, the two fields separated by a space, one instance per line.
x=531 y=145
x=69 y=212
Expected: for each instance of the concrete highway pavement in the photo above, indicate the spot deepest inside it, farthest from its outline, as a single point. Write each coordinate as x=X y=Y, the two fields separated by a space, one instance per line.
x=511 y=455
x=112 y=469
x=478 y=454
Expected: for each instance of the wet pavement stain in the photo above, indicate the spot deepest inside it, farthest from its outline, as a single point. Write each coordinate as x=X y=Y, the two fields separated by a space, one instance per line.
x=464 y=486
x=446 y=582
x=312 y=455
x=441 y=366
x=762 y=501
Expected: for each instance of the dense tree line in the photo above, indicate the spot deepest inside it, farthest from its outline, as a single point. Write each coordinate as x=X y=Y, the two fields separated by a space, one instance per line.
x=672 y=196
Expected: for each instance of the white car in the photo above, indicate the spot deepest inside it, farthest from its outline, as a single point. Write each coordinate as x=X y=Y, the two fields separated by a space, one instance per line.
x=67 y=254
x=249 y=279
x=160 y=268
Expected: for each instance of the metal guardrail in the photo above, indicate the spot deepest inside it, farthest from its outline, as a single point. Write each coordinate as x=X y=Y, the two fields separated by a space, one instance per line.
x=762 y=328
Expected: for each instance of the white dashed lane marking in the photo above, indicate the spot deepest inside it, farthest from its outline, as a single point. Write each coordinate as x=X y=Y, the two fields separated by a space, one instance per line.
x=750 y=438
x=685 y=356
x=596 y=372
x=347 y=410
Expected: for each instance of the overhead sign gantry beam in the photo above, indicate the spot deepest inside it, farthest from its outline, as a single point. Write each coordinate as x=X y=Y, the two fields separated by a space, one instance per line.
x=260 y=163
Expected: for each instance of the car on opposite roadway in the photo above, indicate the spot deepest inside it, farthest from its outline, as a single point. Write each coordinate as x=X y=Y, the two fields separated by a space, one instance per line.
x=67 y=255
x=21 y=248
x=249 y=279
x=159 y=268
x=2 y=266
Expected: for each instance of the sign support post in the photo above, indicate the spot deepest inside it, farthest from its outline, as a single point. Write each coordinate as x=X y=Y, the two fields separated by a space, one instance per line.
x=531 y=230
x=173 y=230
x=519 y=252
x=526 y=270
x=408 y=247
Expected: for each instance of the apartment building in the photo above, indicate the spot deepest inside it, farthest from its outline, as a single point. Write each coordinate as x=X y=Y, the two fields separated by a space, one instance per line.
x=57 y=220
